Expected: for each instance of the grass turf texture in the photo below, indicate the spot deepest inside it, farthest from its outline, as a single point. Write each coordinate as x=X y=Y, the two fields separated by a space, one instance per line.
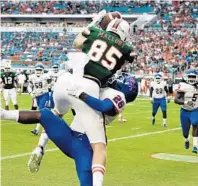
x=129 y=160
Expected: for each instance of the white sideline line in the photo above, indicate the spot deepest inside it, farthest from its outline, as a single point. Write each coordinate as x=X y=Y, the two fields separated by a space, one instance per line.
x=111 y=140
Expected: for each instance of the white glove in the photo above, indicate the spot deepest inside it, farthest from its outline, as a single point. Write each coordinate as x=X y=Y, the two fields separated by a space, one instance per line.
x=98 y=18
x=74 y=90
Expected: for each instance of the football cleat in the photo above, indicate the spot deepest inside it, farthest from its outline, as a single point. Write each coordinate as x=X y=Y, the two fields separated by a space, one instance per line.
x=187 y=144
x=195 y=150
x=35 y=159
x=35 y=132
x=164 y=125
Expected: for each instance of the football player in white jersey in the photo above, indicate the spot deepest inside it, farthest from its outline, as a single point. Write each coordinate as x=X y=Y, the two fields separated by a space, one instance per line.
x=38 y=86
x=8 y=81
x=74 y=143
x=187 y=97
x=158 y=94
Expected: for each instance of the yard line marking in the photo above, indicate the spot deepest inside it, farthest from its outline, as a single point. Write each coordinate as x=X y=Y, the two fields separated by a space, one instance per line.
x=111 y=140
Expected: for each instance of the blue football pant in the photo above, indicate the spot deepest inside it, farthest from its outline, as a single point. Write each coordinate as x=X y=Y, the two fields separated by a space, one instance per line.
x=71 y=143
x=188 y=118
x=161 y=102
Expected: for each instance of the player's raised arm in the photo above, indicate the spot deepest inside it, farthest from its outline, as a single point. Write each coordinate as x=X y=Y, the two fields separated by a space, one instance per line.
x=80 y=38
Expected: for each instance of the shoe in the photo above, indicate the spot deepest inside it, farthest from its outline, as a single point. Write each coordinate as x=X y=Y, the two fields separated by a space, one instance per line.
x=35 y=159
x=195 y=150
x=164 y=125
x=153 y=121
x=35 y=132
x=187 y=144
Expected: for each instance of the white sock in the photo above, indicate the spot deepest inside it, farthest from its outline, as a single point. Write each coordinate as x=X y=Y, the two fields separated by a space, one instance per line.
x=43 y=140
x=38 y=126
x=195 y=142
x=164 y=120
x=10 y=115
x=120 y=116
x=98 y=174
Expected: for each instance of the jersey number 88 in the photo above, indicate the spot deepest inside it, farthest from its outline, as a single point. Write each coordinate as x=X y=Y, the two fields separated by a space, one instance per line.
x=98 y=50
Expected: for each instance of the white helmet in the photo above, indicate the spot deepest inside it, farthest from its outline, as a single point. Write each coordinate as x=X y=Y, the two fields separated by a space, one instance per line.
x=119 y=27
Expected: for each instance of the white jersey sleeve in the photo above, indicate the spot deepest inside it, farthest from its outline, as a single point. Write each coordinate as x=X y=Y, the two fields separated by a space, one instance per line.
x=117 y=98
x=190 y=94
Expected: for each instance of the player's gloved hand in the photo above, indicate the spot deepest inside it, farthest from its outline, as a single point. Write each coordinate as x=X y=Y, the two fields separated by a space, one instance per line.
x=98 y=18
x=74 y=90
x=168 y=99
x=151 y=100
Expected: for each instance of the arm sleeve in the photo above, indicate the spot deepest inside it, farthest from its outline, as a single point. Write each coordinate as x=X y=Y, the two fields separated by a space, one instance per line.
x=97 y=104
x=166 y=90
x=151 y=92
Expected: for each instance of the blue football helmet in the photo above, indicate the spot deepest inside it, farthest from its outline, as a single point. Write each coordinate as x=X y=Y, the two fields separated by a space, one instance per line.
x=191 y=76
x=39 y=69
x=158 y=78
x=125 y=83
x=55 y=68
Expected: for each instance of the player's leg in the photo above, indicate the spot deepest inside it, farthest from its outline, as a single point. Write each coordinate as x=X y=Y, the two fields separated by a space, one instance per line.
x=185 y=124
x=13 y=95
x=55 y=127
x=164 y=111
x=155 y=107
x=63 y=137
x=92 y=123
x=39 y=151
x=83 y=159
x=6 y=98
x=194 y=122
x=38 y=125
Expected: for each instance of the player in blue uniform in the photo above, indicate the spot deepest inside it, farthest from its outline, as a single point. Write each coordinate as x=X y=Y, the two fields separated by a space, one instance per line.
x=72 y=143
x=158 y=93
x=187 y=97
x=38 y=89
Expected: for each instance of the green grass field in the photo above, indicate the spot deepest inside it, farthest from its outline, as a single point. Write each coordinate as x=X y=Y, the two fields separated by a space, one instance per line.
x=130 y=147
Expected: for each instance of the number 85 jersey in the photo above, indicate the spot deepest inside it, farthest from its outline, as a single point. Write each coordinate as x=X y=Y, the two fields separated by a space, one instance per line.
x=107 y=53
x=38 y=85
x=158 y=89
x=118 y=100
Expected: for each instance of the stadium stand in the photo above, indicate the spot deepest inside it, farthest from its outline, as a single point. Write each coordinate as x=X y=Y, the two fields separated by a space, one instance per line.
x=169 y=45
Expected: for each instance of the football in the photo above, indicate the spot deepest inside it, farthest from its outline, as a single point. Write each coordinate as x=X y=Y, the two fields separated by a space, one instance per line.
x=107 y=19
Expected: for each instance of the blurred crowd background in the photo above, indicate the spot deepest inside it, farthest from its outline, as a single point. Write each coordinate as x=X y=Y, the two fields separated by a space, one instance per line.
x=170 y=45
